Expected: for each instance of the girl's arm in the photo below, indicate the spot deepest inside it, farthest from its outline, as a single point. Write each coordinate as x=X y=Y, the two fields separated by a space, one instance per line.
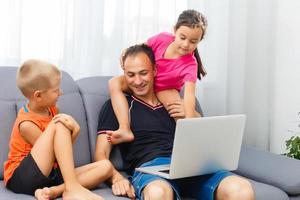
x=189 y=100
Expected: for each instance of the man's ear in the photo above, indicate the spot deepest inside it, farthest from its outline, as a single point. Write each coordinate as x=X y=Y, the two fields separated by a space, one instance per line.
x=154 y=70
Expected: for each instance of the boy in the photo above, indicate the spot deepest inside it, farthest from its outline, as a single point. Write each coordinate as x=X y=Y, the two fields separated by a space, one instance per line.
x=40 y=160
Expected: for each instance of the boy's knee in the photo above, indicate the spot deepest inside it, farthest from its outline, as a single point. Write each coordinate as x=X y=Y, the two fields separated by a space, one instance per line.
x=61 y=127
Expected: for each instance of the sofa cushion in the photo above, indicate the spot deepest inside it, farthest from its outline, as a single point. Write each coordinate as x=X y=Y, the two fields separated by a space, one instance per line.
x=285 y=177
x=6 y=194
x=9 y=90
x=268 y=192
x=7 y=119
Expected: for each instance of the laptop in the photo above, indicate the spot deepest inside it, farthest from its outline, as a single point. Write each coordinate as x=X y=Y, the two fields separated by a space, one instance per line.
x=202 y=146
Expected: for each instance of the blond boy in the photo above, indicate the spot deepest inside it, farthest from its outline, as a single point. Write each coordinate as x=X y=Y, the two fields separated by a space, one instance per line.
x=40 y=160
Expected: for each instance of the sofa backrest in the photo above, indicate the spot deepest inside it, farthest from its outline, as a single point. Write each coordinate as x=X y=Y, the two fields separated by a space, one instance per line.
x=94 y=92
x=11 y=100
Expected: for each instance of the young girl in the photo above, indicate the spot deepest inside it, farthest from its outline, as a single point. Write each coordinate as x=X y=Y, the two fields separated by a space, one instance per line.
x=177 y=63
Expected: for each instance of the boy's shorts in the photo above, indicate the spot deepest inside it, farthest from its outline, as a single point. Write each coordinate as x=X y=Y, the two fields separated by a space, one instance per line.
x=28 y=177
x=199 y=187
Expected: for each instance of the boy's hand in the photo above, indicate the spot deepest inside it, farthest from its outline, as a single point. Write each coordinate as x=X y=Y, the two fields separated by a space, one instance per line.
x=68 y=122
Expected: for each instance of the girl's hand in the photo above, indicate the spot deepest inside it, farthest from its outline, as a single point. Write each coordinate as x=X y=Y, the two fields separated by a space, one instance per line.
x=122 y=57
x=176 y=109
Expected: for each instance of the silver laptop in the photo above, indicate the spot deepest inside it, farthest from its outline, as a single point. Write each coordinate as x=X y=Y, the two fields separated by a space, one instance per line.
x=202 y=146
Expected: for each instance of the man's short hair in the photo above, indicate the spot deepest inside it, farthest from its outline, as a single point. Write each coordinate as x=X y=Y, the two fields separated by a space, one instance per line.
x=139 y=48
x=35 y=75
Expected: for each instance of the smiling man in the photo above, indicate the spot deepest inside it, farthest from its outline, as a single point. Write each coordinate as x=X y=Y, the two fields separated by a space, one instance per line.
x=153 y=128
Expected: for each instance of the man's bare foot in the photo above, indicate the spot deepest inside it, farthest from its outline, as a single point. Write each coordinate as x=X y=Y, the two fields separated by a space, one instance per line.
x=119 y=136
x=80 y=193
x=42 y=194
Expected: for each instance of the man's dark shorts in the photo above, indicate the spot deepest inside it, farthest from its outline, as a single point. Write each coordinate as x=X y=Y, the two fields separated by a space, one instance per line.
x=28 y=177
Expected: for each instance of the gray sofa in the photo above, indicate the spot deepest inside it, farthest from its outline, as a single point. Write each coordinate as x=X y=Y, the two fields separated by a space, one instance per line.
x=273 y=177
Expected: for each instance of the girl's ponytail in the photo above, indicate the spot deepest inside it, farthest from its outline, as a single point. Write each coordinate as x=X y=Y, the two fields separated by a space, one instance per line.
x=201 y=70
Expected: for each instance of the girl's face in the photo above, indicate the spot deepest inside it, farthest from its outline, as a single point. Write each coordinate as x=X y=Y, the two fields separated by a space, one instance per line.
x=187 y=39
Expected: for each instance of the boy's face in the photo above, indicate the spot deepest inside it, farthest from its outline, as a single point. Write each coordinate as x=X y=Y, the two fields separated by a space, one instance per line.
x=139 y=74
x=50 y=96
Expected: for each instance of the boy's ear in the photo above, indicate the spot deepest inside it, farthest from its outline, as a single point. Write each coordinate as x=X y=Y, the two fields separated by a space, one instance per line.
x=37 y=94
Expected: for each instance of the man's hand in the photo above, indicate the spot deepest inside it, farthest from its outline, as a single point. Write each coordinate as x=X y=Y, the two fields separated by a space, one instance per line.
x=123 y=187
x=176 y=109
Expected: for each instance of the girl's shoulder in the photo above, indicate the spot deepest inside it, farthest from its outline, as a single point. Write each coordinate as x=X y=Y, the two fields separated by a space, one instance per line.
x=160 y=38
x=165 y=35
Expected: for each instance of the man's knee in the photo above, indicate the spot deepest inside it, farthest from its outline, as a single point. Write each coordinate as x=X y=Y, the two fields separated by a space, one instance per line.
x=235 y=187
x=158 y=190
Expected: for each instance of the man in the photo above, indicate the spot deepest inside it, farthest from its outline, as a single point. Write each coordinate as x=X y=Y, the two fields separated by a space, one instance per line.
x=153 y=128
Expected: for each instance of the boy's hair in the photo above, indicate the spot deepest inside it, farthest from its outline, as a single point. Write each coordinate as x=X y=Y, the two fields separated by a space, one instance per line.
x=194 y=19
x=35 y=75
x=139 y=48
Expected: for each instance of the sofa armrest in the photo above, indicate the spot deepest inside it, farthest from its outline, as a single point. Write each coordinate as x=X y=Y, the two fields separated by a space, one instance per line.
x=273 y=169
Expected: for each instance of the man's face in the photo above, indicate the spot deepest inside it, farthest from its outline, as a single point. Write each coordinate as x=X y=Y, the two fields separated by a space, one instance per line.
x=139 y=74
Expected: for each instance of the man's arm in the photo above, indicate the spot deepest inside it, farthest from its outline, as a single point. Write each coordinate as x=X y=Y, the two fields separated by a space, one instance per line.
x=120 y=185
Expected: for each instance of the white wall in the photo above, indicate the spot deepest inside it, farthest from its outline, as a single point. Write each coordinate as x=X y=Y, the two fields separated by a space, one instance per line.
x=286 y=82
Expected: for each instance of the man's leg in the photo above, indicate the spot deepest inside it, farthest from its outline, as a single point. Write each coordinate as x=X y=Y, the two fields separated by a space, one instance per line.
x=157 y=190
x=222 y=185
x=56 y=142
x=234 y=188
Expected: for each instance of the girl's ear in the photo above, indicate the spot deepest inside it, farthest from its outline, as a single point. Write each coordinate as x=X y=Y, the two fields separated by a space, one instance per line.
x=174 y=29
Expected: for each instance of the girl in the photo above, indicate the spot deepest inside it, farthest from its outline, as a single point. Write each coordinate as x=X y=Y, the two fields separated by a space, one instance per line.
x=178 y=64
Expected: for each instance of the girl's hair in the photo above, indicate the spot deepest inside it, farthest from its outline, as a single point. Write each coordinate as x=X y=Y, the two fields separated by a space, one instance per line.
x=194 y=19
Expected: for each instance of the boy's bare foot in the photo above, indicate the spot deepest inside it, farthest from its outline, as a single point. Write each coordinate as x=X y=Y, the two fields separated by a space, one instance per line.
x=119 y=136
x=80 y=193
x=42 y=194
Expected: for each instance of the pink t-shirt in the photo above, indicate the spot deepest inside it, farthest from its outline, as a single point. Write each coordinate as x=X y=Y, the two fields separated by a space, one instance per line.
x=171 y=73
